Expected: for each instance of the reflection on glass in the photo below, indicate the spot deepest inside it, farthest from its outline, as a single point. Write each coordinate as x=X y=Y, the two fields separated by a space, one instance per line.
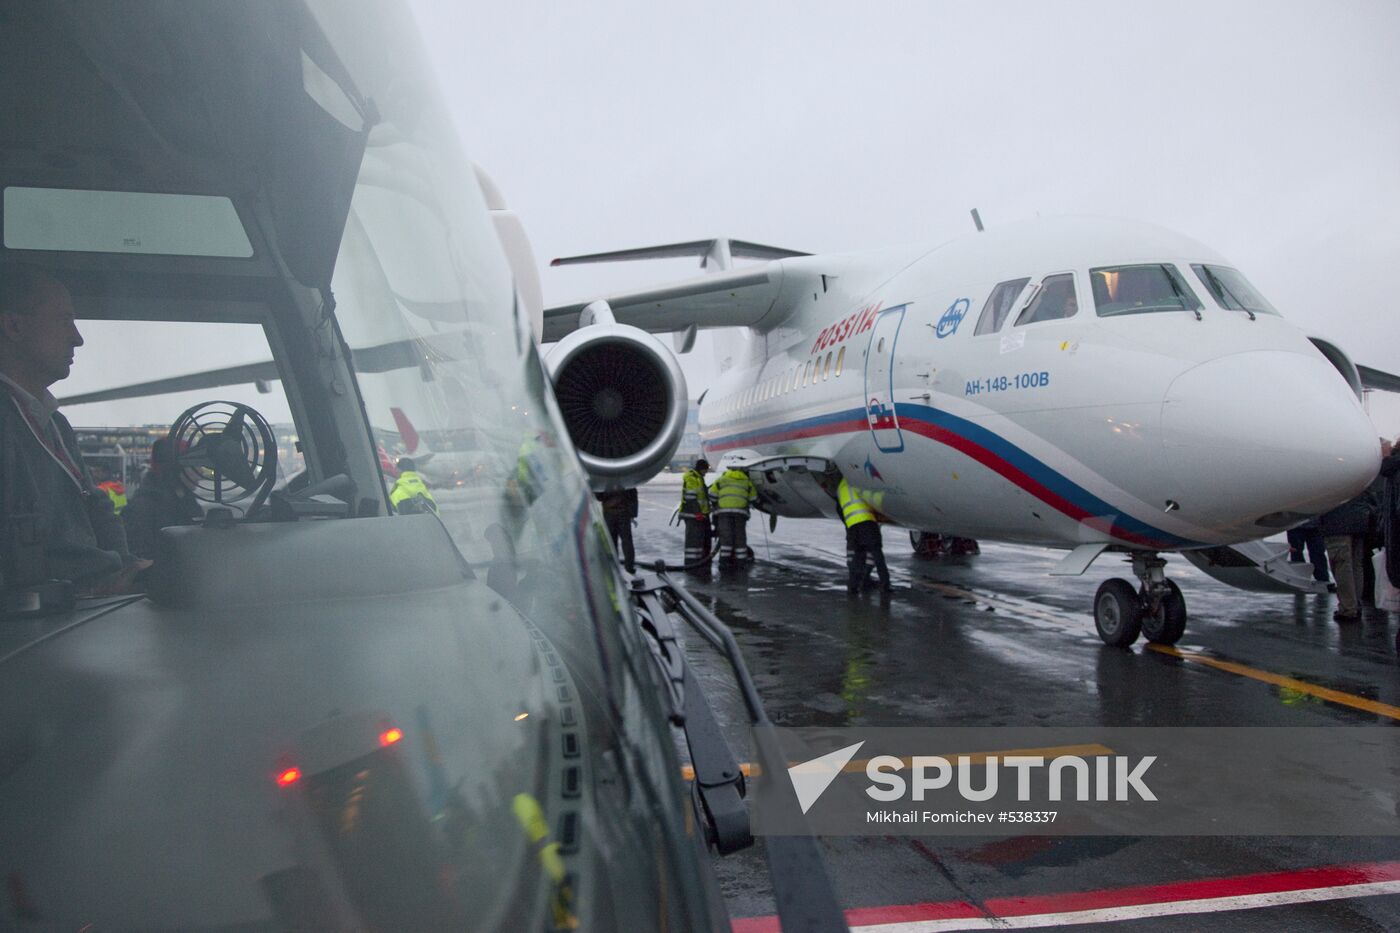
x=1140 y=289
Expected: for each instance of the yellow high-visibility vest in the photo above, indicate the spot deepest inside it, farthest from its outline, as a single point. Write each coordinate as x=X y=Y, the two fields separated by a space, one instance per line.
x=734 y=491
x=116 y=492
x=854 y=509
x=695 y=498
x=408 y=485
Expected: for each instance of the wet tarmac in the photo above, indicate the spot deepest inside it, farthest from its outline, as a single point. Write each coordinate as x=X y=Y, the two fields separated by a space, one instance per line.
x=991 y=640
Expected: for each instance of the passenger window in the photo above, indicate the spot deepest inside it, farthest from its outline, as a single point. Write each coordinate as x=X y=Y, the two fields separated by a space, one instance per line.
x=807 y=373
x=998 y=305
x=1231 y=290
x=1055 y=300
x=1140 y=289
x=840 y=360
x=826 y=371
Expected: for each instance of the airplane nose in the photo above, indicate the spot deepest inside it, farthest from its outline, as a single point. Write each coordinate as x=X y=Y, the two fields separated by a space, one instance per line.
x=1270 y=436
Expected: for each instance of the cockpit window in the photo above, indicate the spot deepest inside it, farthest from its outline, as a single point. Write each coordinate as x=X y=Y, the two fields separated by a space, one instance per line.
x=1141 y=289
x=1231 y=290
x=1056 y=299
x=998 y=306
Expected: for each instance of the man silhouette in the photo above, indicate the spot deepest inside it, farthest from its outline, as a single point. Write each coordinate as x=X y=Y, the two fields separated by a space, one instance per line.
x=45 y=489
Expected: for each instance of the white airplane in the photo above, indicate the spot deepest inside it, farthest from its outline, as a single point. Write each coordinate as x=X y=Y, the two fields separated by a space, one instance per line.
x=456 y=458
x=1076 y=383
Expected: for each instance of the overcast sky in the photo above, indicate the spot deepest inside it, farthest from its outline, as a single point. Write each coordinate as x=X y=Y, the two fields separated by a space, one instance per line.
x=1268 y=130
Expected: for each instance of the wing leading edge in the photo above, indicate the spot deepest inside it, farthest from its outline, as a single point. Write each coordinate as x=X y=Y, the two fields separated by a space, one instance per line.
x=726 y=297
x=741 y=298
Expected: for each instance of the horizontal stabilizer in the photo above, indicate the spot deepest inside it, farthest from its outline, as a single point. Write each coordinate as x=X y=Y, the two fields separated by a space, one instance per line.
x=738 y=249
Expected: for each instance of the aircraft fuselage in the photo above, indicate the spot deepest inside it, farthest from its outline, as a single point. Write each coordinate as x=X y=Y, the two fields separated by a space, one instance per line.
x=1114 y=416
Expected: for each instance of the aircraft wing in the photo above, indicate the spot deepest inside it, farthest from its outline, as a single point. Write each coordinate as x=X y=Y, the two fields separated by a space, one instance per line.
x=400 y=354
x=1378 y=379
x=265 y=371
x=736 y=298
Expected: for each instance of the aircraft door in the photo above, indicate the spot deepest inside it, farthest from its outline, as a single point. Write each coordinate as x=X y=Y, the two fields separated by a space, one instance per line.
x=879 y=381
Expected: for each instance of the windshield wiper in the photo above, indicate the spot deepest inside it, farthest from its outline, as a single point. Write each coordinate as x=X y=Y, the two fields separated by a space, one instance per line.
x=1171 y=280
x=1224 y=290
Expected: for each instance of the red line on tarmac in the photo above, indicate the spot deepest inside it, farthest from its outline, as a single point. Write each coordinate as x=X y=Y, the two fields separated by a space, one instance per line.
x=1338 y=877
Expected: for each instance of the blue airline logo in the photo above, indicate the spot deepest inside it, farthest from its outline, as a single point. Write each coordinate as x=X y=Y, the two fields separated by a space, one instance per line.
x=948 y=323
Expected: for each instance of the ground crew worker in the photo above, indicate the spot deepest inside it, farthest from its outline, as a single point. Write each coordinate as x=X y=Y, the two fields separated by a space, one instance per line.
x=695 y=514
x=619 y=510
x=410 y=494
x=863 y=536
x=114 y=488
x=732 y=495
x=160 y=501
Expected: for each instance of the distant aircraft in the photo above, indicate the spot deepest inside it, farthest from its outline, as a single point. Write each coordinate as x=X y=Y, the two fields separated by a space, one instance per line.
x=1079 y=383
x=441 y=468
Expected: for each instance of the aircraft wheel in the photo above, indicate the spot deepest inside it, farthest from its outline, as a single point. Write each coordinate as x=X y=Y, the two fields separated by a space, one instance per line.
x=1117 y=613
x=1168 y=623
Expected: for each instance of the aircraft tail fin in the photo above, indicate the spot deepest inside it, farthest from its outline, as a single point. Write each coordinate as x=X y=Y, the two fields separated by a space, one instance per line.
x=407 y=432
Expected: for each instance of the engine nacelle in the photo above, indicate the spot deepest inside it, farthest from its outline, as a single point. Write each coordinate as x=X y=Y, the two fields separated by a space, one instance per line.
x=623 y=397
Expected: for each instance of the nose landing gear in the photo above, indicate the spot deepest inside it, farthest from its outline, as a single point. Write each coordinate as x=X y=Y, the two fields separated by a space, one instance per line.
x=1156 y=609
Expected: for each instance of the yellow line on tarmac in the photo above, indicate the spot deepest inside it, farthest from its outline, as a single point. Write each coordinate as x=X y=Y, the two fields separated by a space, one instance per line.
x=1279 y=680
x=1090 y=750
x=688 y=772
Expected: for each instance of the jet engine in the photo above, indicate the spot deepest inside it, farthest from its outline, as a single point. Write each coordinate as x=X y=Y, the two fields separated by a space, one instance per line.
x=623 y=397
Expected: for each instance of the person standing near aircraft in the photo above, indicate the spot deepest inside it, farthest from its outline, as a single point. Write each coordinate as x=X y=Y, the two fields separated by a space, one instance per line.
x=114 y=488
x=410 y=494
x=42 y=475
x=1308 y=537
x=1344 y=529
x=695 y=513
x=863 y=536
x=160 y=501
x=619 y=510
x=1390 y=513
x=732 y=494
